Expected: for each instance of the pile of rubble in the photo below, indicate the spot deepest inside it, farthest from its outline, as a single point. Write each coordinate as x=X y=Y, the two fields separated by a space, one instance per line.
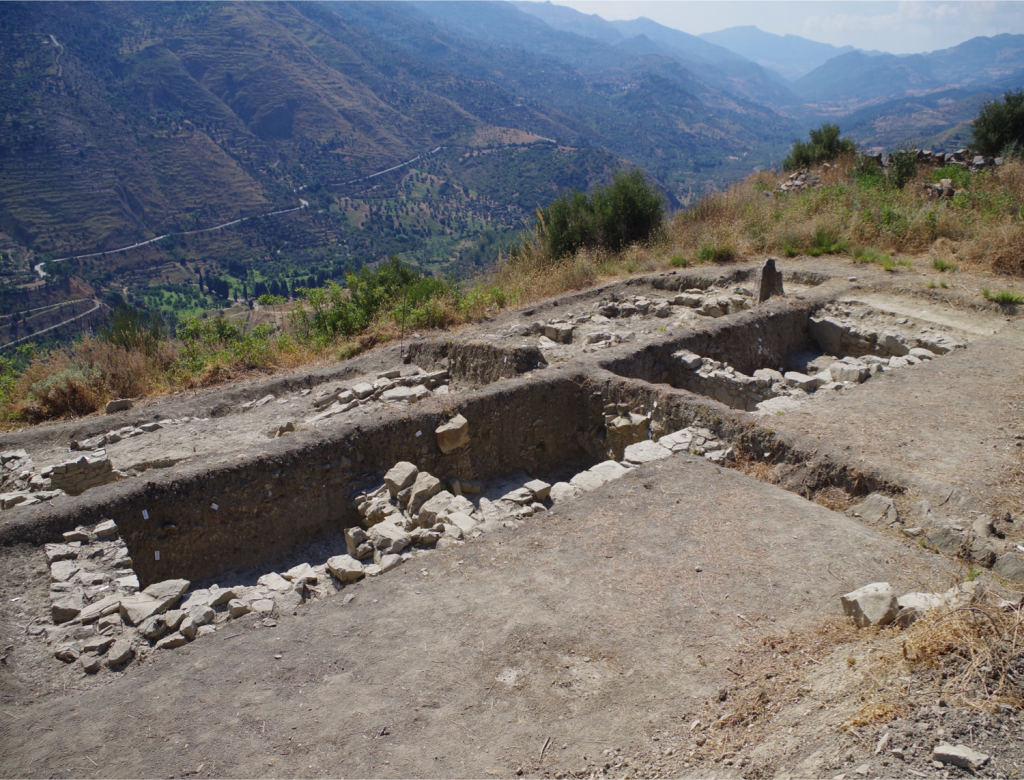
x=944 y=190
x=101 y=618
x=20 y=482
x=130 y=431
x=710 y=302
x=799 y=181
x=390 y=387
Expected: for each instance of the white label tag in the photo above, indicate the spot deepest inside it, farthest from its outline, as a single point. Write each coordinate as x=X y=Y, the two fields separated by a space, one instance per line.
x=418 y=434
x=157 y=555
x=214 y=506
x=145 y=514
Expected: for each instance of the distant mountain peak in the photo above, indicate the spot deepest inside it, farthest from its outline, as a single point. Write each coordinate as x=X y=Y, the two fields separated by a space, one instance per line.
x=790 y=56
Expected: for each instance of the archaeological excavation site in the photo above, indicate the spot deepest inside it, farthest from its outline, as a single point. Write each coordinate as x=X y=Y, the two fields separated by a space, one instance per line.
x=757 y=520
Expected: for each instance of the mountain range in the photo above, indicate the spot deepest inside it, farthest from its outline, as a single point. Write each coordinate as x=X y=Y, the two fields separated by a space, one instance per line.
x=433 y=129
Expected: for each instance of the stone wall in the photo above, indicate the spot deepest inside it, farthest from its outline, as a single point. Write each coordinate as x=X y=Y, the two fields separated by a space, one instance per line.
x=78 y=475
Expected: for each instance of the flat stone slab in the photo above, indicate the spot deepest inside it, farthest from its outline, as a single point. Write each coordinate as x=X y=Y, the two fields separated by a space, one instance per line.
x=645 y=452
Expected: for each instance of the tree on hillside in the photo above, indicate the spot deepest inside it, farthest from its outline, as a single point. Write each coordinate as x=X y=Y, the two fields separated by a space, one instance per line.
x=628 y=210
x=999 y=126
x=825 y=145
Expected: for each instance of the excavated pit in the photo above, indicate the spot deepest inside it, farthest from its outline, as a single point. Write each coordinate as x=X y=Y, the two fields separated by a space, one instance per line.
x=220 y=513
x=755 y=356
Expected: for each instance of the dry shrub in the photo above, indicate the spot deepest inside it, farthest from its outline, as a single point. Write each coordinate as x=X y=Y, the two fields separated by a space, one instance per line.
x=531 y=274
x=78 y=379
x=1001 y=248
x=125 y=373
x=979 y=651
x=56 y=385
x=1011 y=177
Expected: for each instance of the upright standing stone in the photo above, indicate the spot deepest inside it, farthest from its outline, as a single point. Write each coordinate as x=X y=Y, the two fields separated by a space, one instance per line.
x=769 y=281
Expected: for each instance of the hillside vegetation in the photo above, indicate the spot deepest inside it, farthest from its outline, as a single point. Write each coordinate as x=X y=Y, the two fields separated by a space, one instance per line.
x=855 y=211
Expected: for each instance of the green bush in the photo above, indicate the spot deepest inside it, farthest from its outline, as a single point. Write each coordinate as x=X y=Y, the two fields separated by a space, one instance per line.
x=1002 y=296
x=716 y=253
x=885 y=260
x=961 y=177
x=902 y=166
x=826 y=242
x=825 y=145
x=1000 y=124
x=394 y=289
x=867 y=172
x=628 y=210
x=215 y=342
x=271 y=300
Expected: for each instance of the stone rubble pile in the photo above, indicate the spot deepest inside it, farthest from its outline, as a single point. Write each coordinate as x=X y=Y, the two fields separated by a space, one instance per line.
x=980 y=540
x=710 y=302
x=878 y=605
x=20 y=482
x=130 y=431
x=72 y=477
x=390 y=387
x=799 y=181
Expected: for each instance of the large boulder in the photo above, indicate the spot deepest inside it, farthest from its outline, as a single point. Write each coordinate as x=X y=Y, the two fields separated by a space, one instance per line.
x=401 y=476
x=345 y=568
x=424 y=488
x=1009 y=567
x=645 y=452
x=873 y=605
x=389 y=538
x=435 y=509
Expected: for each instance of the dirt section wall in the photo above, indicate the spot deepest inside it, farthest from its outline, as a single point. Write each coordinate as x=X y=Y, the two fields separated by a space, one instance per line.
x=474 y=363
x=226 y=513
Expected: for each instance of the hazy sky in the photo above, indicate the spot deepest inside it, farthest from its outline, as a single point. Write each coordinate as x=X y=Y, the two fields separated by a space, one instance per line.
x=897 y=27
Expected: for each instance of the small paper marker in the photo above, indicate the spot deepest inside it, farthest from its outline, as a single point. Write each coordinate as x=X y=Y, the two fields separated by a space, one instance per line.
x=157 y=555
x=214 y=506
x=145 y=514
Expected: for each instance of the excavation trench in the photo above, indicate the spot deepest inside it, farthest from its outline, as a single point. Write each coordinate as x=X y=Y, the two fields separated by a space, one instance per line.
x=218 y=513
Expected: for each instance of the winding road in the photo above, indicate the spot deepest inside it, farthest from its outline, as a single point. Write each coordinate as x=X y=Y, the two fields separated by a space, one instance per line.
x=96 y=305
x=38 y=267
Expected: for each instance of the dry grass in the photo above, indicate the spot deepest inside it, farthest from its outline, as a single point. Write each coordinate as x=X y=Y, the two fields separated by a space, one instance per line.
x=981 y=228
x=970 y=657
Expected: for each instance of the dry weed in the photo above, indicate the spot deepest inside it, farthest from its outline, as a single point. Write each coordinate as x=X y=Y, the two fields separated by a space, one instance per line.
x=970 y=657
